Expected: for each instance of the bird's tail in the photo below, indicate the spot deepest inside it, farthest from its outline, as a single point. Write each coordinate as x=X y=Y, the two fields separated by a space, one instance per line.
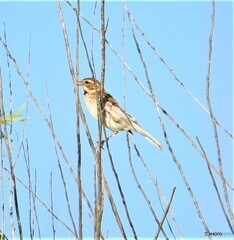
x=150 y=138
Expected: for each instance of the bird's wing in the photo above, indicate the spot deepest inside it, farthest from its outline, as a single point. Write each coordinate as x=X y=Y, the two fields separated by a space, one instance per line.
x=112 y=107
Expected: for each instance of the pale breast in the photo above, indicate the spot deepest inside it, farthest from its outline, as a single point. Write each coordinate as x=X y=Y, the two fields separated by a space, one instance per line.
x=91 y=104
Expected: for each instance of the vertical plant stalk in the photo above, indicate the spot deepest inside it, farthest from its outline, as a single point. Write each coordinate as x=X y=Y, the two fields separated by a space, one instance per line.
x=80 y=214
x=52 y=204
x=114 y=209
x=120 y=190
x=31 y=218
x=31 y=196
x=8 y=143
x=2 y=159
x=212 y=116
x=5 y=134
x=100 y=197
x=123 y=56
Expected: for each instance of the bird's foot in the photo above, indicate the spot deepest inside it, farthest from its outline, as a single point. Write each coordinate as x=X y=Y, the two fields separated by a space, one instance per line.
x=101 y=145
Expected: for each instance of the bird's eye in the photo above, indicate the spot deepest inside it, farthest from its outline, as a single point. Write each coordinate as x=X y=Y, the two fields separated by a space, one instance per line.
x=86 y=82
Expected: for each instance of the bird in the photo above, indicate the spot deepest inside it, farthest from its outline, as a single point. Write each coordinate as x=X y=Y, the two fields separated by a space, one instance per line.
x=113 y=116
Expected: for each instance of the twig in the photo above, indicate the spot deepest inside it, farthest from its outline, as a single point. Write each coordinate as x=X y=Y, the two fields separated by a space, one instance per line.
x=140 y=187
x=27 y=105
x=9 y=153
x=170 y=211
x=100 y=198
x=120 y=190
x=92 y=41
x=2 y=160
x=34 y=202
x=216 y=187
x=8 y=141
x=66 y=38
x=165 y=214
x=31 y=220
x=52 y=204
x=114 y=209
x=79 y=165
x=212 y=116
x=123 y=54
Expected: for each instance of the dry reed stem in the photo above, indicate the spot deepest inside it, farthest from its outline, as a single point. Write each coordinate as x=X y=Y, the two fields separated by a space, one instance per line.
x=213 y=118
x=165 y=214
x=216 y=187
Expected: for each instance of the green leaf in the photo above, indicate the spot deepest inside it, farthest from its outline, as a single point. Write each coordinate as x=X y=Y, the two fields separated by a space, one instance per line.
x=15 y=116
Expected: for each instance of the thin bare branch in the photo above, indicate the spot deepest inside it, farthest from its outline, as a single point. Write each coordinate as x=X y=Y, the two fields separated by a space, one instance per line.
x=52 y=204
x=2 y=159
x=100 y=198
x=140 y=187
x=120 y=189
x=114 y=209
x=80 y=220
x=165 y=214
x=212 y=115
x=28 y=167
x=216 y=187
x=123 y=56
x=8 y=142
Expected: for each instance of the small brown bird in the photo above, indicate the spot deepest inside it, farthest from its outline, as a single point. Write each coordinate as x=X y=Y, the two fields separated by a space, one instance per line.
x=114 y=117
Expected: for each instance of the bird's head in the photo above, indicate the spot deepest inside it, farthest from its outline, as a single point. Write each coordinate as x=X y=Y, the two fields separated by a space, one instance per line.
x=90 y=85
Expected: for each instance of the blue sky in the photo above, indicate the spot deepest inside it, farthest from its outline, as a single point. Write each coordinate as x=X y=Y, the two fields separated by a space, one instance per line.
x=180 y=32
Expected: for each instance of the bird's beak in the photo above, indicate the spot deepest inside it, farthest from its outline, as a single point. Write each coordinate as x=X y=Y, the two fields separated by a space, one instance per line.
x=79 y=83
